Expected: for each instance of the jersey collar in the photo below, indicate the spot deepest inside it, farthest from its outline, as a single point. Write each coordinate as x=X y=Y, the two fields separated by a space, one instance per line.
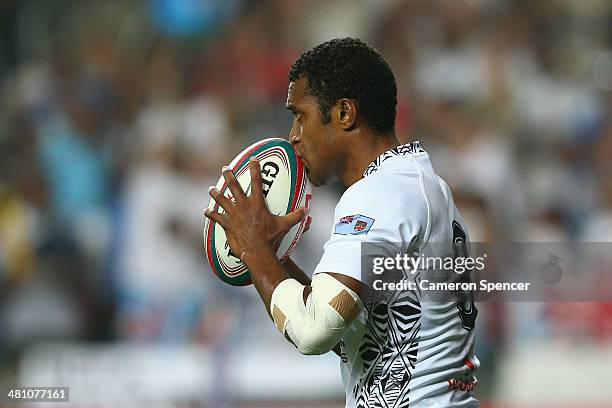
x=401 y=150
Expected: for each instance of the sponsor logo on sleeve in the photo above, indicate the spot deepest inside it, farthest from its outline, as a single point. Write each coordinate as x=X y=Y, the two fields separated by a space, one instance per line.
x=353 y=225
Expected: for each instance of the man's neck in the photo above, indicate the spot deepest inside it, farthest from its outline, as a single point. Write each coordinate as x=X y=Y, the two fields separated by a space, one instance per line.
x=369 y=146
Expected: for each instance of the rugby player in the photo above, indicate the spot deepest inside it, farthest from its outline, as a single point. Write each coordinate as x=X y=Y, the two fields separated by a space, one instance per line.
x=397 y=353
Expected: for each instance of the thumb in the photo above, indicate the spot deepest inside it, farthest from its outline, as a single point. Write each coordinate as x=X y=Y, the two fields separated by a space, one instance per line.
x=307 y=223
x=295 y=217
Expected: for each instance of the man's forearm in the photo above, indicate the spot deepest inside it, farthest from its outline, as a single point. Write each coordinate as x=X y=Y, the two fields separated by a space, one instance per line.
x=266 y=273
x=296 y=272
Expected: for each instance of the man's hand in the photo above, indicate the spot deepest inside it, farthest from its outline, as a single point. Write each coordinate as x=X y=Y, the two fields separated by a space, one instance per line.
x=307 y=223
x=249 y=226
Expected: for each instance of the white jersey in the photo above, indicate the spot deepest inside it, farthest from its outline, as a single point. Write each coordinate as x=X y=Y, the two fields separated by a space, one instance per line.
x=402 y=352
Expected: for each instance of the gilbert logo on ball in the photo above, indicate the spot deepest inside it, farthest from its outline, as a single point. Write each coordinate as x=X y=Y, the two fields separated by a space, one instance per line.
x=285 y=187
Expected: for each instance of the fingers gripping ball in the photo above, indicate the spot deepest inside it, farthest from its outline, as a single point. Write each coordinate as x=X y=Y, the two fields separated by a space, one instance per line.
x=285 y=187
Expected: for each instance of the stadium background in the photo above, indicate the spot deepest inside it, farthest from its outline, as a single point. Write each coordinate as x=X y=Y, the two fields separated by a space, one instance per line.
x=117 y=115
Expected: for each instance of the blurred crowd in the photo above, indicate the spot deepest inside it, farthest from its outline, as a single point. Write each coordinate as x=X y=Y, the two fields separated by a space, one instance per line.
x=117 y=115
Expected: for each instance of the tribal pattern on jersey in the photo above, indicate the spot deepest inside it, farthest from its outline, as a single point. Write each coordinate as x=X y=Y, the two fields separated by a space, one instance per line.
x=409 y=148
x=389 y=351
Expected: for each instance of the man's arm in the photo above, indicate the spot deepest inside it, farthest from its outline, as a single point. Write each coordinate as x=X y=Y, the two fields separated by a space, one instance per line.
x=267 y=273
x=253 y=232
x=296 y=272
x=299 y=275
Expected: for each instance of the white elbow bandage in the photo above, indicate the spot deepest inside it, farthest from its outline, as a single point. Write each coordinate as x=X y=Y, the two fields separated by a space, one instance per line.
x=317 y=326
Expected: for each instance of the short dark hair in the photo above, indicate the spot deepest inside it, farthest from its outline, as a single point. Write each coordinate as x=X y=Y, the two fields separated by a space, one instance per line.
x=350 y=68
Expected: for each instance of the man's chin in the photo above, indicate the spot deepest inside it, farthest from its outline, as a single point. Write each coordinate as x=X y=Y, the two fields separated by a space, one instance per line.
x=313 y=180
x=317 y=184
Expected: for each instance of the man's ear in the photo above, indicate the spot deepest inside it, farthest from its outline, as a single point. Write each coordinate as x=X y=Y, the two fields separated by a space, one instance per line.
x=346 y=111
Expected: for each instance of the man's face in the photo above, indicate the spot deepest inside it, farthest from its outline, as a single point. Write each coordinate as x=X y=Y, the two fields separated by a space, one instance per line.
x=311 y=138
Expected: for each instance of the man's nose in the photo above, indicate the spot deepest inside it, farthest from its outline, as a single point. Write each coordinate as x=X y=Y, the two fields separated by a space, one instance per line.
x=294 y=139
x=294 y=135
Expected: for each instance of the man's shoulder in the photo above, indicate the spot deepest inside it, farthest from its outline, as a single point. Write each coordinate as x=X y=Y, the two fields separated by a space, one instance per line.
x=398 y=180
x=392 y=195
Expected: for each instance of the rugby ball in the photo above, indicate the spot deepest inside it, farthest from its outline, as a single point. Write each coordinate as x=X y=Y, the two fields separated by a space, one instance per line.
x=286 y=188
